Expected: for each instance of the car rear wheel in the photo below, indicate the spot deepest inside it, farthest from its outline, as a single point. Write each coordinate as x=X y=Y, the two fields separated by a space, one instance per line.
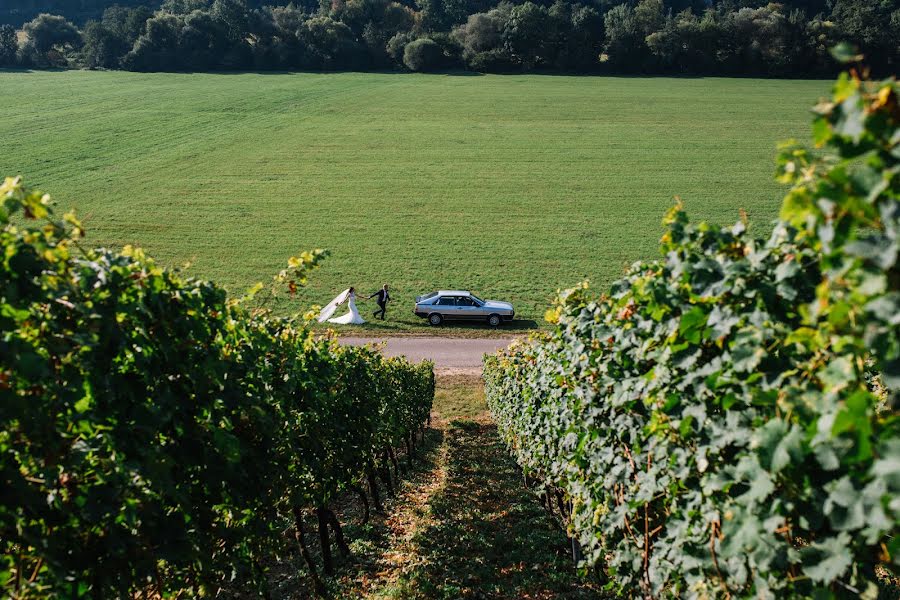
x=435 y=319
x=494 y=320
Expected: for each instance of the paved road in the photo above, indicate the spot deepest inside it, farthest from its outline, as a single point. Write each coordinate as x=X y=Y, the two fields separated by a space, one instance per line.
x=447 y=353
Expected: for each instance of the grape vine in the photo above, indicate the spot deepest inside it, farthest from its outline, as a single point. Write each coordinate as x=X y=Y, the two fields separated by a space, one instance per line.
x=157 y=436
x=723 y=423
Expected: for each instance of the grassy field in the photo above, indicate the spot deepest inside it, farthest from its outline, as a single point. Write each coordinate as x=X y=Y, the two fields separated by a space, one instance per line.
x=513 y=186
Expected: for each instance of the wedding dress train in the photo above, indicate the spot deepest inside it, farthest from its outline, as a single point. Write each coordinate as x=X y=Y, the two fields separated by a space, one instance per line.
x=351 y=318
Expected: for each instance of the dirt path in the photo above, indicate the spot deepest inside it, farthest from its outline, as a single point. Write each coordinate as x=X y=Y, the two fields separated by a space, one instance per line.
x=481 y=534
x=459 y=525
x=447 y=353
x=462 y=525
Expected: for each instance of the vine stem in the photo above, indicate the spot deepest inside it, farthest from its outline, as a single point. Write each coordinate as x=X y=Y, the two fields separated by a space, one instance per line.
x=647 y=536
x=325 y=541
x=714 y=534
x=300 y=536
x=37 y=570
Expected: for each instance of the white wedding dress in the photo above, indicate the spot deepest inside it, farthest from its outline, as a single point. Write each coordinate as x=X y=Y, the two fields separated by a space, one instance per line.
x=351 y=318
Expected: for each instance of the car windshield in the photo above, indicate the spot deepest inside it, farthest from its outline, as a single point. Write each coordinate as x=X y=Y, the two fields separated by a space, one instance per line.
x=476 y=299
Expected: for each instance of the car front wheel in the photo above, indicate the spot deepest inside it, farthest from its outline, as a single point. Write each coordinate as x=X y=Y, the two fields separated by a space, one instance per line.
x=494 y=320
x=435 y=319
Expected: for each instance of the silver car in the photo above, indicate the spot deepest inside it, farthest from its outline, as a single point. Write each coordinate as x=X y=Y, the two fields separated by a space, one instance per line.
x=457 y=305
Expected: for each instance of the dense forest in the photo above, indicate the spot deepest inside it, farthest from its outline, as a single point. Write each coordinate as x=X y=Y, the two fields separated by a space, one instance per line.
x=694 y=37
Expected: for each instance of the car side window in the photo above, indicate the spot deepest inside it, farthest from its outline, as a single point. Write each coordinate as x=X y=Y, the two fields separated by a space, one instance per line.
x=465 y=302
x=447 y=301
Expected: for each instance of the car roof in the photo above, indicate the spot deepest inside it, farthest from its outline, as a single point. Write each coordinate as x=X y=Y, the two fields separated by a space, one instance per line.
x=454 y=293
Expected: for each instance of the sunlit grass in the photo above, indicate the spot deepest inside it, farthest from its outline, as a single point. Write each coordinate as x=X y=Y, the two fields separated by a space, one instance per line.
x=513 y=186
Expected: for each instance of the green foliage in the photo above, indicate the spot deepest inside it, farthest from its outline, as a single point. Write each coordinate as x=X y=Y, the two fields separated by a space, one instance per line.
x=331 y=44
x=525 y=32
x=102 y=47
x=873 y=25
x=422 y=54
x=49 y=41
x=748 y=38
x=530 y=36
x=156 y=49
x=126 y=23
x=724 y=421
x=397 y=44
x=624 y=40
x=155 y=433
x=9 y=45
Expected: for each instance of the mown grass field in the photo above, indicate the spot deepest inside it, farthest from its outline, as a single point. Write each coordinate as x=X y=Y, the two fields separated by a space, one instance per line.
x=513 y=186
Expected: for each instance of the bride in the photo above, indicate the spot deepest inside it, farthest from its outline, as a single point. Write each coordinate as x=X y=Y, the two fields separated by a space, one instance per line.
x=351 y=318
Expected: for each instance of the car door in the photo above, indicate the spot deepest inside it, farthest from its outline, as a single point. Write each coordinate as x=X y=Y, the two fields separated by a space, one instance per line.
x=468 y=309
x=479 y=311
x=447 y=307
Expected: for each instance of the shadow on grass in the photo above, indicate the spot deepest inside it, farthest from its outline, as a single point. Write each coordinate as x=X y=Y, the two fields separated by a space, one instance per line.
x=507 y=326
x=486 y=536
x=514 y=325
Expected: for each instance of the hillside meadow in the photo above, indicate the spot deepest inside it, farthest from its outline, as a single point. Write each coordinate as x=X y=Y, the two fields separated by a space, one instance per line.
x=512 y=186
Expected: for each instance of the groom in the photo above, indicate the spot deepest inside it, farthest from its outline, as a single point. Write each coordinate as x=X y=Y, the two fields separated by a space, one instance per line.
x=382 y=300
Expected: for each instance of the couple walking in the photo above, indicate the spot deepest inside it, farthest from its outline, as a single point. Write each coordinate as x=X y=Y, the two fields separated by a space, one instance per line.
x=382 y=297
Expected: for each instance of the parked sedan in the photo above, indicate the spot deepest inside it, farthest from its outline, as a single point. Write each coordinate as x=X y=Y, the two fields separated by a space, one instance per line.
x=458 y=305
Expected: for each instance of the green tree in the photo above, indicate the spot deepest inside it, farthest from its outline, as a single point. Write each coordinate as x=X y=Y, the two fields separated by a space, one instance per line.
x=183 y=7
x=763 y=41
x=434 y=16
x=157 y=48
x=102 y=48
x=443 y=15
x=203 y=42
x=873 y=25
x=578 y=36
x=624 y=40
x=397 y=44
x=525 y=36
x=276 y=44
x=387 y=20
x=126 y=22
x=697 y=7
x=481 y=33
x=232 y=15
x=675 y=46
x=649 y=16
x=422 y=54
x=481 y=41
x=50 y=39
x=9 y=45
x=330 y=44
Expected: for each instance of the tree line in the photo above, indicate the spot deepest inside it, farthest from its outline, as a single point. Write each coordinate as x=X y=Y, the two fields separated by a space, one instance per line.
x=699 y=37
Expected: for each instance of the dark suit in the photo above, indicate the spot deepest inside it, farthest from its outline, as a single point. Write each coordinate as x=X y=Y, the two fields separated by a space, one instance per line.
x=382 y=300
